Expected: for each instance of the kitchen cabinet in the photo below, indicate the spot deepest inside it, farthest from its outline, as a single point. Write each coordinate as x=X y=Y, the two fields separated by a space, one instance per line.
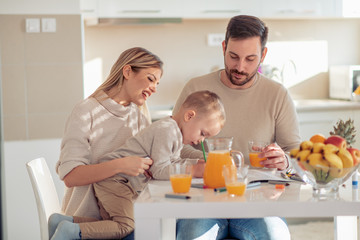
x=205 y=9
x=319 y=116
x=167 y=8
x=299 y=8
x=349 y=8
x=212 y=9
x=137 y=8
x=89 y=8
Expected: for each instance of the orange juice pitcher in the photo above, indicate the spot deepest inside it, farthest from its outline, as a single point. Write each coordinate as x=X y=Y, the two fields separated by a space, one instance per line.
x=220 y=154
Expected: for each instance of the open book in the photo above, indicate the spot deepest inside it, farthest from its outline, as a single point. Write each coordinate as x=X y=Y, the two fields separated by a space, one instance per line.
x=258 y=175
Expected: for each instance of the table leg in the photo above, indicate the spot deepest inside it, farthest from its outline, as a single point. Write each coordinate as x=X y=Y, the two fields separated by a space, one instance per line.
x=345 y=228
x=168 y=228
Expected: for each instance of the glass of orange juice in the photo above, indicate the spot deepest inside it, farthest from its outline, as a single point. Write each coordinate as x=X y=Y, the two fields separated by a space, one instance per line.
x=255 y=148
x=235 y=179
x=180 y=177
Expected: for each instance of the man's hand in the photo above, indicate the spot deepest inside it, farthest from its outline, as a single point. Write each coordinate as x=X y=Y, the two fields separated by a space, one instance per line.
x=275 y=157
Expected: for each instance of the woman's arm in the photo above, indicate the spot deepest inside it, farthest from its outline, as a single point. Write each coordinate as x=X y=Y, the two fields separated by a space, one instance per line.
x=88 y=174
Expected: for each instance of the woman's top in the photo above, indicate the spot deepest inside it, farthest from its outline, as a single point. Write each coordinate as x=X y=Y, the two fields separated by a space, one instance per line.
x=95 y=127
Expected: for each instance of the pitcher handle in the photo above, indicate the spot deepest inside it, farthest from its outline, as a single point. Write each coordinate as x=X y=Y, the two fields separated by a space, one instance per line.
x=238 y=155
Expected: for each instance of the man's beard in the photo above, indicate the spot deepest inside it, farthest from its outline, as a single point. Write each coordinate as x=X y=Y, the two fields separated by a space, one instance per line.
x=248 y=78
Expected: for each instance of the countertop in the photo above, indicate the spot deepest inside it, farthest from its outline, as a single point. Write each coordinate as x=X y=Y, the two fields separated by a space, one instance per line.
x=302 y=105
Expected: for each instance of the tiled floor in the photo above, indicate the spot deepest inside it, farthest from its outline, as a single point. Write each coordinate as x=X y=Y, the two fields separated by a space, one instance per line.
x=314 y=230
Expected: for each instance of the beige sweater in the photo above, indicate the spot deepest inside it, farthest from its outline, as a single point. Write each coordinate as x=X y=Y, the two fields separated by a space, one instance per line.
x=162 y=142
x=265 y=111
x=93 y=129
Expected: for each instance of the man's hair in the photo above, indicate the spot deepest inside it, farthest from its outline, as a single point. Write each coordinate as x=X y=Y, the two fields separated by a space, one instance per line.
x=205 y=102
x=244 y=26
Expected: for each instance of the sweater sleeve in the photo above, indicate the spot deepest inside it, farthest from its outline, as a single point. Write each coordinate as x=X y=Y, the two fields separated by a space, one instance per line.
x=287 y=125
x=75 y=146
x=190 y=152
x=165 y=150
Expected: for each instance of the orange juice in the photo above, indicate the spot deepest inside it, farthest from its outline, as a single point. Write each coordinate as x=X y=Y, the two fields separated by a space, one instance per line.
x=213 y=177
x=255 y=160
x=180 y=183
x=236 y=188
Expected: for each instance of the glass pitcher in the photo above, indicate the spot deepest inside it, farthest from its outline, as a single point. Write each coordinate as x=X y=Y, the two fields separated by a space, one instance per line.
x=220 y=154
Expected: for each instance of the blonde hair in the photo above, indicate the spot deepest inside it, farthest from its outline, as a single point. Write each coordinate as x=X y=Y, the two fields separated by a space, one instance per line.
x=205 y=102
x=137 y=58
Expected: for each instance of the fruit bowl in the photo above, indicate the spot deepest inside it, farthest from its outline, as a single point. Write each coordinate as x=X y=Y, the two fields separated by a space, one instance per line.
x=355 y=97
x=325 y=180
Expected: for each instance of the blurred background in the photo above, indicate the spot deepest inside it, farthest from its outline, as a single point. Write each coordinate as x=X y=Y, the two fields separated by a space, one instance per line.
x=55 y=53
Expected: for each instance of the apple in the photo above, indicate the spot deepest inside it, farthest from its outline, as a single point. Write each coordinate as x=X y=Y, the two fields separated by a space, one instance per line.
x=336 y=140
x=355 y=153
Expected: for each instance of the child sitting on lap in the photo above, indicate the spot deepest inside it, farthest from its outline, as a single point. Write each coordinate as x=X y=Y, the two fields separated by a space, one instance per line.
x=201 y=115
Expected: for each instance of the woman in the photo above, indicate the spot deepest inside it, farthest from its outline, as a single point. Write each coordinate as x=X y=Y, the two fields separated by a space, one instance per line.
x=100 y=124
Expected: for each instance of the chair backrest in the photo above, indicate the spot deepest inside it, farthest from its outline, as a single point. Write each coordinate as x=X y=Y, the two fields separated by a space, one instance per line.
x=46 y=197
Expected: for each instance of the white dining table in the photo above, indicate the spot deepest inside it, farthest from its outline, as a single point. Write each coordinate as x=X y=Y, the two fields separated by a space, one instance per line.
x=155 y=215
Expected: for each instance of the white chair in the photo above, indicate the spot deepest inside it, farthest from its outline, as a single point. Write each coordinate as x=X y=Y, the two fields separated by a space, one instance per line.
x=47 y=199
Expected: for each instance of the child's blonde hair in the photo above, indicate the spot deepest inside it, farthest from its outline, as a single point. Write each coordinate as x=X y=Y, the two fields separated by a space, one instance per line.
x=205 y=102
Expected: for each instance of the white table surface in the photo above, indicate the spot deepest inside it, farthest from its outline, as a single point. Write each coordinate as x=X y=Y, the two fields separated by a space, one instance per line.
x=155 y=215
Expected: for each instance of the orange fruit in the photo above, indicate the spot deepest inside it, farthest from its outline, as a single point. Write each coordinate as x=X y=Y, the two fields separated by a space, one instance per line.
x=357 y=91
x=318 y=138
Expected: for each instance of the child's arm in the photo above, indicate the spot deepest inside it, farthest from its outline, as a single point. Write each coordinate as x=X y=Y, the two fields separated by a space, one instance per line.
x=189 y=151
x=198 y=168
x=165 y=150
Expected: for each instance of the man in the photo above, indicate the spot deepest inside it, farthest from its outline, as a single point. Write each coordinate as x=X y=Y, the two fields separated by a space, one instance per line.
x=257 y=108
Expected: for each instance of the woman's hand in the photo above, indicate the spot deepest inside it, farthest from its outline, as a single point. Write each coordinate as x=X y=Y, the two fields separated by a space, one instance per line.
x=275 y=157
x=88 y=174
x=133 y=165
x=198 y=169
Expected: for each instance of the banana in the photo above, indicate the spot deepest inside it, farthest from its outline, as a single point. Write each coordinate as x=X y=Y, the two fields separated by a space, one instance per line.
x=330 y=148
x=318 y=147
x=302 y=155
x=316 y=160
x=306 y=145
x=346 y=158
x=317 y=166
x=336 y=172
x=294 y=152
x=333 y=160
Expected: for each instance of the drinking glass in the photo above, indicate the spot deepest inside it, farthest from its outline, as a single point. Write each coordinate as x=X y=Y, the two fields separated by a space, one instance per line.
x=255 y=148
x=180 y=177
x=235 y=179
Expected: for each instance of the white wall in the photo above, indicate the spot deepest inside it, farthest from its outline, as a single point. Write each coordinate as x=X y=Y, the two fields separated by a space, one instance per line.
x=184 y=50
x=21 y=218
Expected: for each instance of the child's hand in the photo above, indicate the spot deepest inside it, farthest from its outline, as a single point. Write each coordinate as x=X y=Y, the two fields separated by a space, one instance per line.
x=198 y=169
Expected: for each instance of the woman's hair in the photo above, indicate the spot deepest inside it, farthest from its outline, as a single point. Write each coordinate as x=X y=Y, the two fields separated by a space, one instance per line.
x=205 y=102
x=244 y=26
x=138 y=58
